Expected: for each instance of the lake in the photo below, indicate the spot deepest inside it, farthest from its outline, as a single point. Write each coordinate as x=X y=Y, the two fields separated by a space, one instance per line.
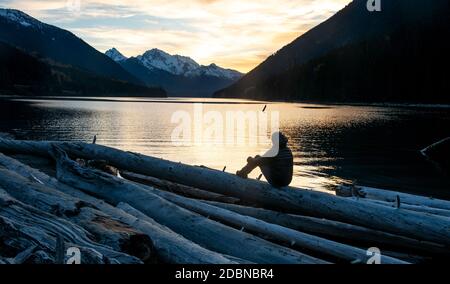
x=333 y=144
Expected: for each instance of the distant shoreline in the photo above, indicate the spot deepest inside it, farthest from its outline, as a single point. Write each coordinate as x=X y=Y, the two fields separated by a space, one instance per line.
x=186 y=100
x=385 y=104
x=178 y=100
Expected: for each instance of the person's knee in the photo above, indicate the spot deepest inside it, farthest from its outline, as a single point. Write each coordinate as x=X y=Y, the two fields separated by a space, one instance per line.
x=253 y=161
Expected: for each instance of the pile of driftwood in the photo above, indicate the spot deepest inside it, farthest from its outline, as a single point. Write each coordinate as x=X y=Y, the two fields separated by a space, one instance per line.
x=121 y=207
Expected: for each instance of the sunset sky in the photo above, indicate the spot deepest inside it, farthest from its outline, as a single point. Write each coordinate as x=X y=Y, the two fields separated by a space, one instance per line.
x=231 y=33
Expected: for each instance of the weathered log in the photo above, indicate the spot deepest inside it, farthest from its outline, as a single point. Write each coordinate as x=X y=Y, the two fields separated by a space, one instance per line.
x=171 y=247
x=411 y=258
x=292 y=200
x=326 y=228
x=23 y=256
x=144 y=218
x=118 y=236
x=20 y=222
x=44 y=164
x=41 y=257
x=209 y=196
x=178 y=188
x=21 y=228
x=403 y=206
x=104 y=230
x=174 y=248
x=205 y=232
x=19 y=258
x=393 y=196
x=274 y=231
x=335 y=230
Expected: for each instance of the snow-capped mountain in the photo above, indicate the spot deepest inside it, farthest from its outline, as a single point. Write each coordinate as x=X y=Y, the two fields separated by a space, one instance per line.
x=46 y=41
x=115 y=55
x=174 y=64
x=214 y=71
x=157 y=59
x=19 y=17
x=179 y=75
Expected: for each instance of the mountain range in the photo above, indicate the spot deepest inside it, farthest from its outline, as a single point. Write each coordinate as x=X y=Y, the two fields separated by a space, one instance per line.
x=179 y=75
x=395 y=55
x=74 y=64
x=23 y=31
x=399 y=54
x=67 y=64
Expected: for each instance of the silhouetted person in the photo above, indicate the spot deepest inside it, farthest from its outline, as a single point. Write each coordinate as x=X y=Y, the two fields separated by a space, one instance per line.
x=277 y=170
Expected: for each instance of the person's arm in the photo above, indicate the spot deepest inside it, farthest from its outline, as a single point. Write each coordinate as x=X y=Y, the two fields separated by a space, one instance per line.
x=262 y=161
x=252 y=163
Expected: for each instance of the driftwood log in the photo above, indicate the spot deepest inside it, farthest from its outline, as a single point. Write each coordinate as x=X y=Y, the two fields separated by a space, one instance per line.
x=174 y=248
x=22 y=257
x=404 y=206
x=336 y=230
x=171 y=247
x=102 y=228
x=327 y=228
x=410 y=224
x=203 y=231
x=178 y=188
x=302 y=240
x=392 y=197
x=274 y=231
x=142 y=217
x=21 y=223
x=411 y=258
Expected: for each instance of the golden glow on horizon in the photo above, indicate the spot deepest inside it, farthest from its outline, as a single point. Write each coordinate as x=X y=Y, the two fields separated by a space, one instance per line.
x=231 y=33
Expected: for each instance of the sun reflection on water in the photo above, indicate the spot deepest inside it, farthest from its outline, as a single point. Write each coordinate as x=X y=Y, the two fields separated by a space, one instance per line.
x=145 y=127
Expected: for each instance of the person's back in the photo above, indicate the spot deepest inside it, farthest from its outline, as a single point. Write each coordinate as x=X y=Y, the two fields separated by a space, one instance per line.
x=281 y=168
x=277 y=170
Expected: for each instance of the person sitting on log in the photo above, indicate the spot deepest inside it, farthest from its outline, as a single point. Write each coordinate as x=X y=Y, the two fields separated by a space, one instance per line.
x=277 y=165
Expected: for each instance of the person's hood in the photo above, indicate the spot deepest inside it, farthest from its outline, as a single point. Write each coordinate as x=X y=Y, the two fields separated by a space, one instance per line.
x=282 y=139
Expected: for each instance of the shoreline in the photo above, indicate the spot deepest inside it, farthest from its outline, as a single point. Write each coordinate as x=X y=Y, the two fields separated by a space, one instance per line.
x=188 y=100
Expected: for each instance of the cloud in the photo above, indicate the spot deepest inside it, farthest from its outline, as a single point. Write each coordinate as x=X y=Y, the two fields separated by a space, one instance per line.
x=232 y=33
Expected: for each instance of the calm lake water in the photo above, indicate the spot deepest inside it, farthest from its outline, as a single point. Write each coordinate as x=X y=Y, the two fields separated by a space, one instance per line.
x=366 y=145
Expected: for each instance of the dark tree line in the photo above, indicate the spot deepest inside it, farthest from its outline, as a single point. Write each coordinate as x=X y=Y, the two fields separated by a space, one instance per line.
x=409 y=64
x=25 y=74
